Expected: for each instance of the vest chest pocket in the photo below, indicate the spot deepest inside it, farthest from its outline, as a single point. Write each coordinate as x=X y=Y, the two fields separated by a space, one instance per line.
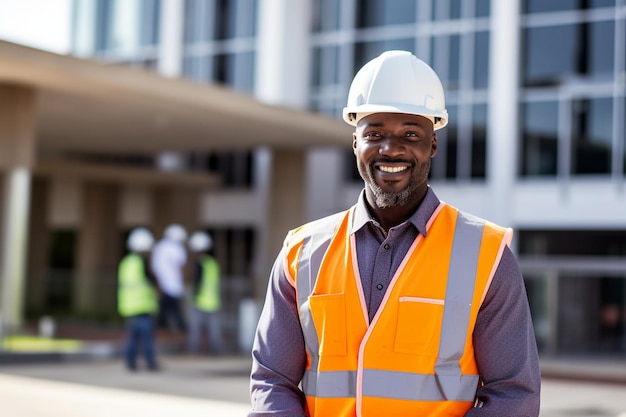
x=329 y=316
x=418 y=329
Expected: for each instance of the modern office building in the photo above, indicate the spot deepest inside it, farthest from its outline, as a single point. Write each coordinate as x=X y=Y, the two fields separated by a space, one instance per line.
x=536 y=92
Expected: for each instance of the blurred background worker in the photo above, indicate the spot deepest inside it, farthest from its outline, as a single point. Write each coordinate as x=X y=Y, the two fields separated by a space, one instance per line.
x=169 y=258
x=137 y=299
x=206 y=298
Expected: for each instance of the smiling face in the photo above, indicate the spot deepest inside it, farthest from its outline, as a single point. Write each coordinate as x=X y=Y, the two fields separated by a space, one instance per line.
x=393 y=153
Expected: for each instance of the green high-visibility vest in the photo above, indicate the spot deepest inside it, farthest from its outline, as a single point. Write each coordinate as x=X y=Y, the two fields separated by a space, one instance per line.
x=135 y=295
x=208 y=295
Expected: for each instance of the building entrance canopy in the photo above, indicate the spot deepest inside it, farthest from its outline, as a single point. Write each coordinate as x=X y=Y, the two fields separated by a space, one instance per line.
x=90 y=106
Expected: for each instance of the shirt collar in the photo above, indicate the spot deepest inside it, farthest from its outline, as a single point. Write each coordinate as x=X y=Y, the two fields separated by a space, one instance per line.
x=419 y=218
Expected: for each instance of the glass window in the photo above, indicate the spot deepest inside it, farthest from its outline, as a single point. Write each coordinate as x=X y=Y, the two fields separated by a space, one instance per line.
x=384 y=12
x=572 y=242
x=539 y=138
x=446 y=53
x=446 y=9
x=549 y=54
x=235 y=70
x=235 y=19
x=150 y=22
x=483 y=8
x=600 y=47
x=481 y=60
x=479 y=141
x=365 y=51
x=455 y=9
x=540 y=6
x=234 y=168
x=198 y=68
x=454 y=64
x=624 y=133
x=199 y=21
x=325 y=66
x=557 y=52
x=452 y=142
x=326 y=16
x=592 y=135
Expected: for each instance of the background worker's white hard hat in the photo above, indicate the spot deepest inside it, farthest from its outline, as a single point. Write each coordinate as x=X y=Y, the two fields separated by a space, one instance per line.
x=200 y=241
x=396 y=82
x=140 y=240
x=175 y=232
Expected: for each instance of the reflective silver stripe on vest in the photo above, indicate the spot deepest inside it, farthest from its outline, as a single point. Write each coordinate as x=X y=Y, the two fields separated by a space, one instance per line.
x=416 y=387
x=468 y=235
x=313 y=249
x=330 y=384
x=448 y=383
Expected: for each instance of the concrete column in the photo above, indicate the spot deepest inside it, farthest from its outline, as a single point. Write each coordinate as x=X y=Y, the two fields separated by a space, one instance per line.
x=38 y=247
x=282 y=78
x=171 y=40
x=502 y=124
x=283 y=63
x=285 y=206
x=17 y=154
x=99 y=251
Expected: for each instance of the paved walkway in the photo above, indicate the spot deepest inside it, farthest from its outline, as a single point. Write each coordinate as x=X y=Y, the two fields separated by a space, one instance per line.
x=186 y=386
x=204 y=386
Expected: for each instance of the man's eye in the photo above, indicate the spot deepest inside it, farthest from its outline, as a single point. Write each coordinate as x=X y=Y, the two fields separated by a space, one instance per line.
x=373 y=135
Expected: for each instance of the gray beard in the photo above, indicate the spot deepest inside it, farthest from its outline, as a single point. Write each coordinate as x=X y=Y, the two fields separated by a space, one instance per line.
x=391 y=199
x=385 y=199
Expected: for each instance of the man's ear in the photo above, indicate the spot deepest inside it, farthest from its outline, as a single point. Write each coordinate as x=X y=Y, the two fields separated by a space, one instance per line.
x=354 y=142
x=433 y=146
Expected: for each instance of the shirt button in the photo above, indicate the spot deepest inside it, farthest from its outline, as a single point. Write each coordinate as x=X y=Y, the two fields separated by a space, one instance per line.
x=386 y=246
x=379 y=286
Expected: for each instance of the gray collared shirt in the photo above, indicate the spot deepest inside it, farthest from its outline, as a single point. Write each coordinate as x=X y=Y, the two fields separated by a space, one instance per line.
x=504 y=341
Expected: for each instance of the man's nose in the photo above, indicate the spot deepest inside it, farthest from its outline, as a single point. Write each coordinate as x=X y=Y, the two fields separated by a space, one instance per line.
x=391 y=145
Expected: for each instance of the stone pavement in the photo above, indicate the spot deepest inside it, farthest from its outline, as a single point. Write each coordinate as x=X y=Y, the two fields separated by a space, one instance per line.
x=207 y=386
x=185 y=386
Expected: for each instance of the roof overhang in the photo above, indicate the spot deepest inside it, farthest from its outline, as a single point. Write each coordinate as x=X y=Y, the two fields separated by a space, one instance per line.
x=89 y=106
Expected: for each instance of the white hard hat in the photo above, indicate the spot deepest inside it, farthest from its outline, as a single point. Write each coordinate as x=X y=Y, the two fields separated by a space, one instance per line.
x=175 y=232
x=200 y=241
x=396 y=82
x=140 y=240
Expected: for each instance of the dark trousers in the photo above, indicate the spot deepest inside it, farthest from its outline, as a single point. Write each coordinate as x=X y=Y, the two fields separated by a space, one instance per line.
x=139 y=336
x=170 y=309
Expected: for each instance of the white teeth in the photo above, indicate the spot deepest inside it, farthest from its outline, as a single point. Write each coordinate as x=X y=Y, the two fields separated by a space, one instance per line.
x=392 y=169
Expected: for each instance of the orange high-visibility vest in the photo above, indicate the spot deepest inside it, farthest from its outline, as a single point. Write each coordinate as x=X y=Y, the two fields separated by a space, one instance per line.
x=416 y=357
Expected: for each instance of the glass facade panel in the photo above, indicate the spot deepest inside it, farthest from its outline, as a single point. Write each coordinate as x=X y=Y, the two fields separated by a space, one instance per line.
x=554 y=54
x=592 y=135
x=199 y=21
x=600 y=47
x=623 y=127
x=235 y=19
x=325 y=69
x=483 y=8
x=541 y=6
x=452 y=142
x=365 y=51
x=383 y=12
x=446 y=53
x=326 y=16
x=549 y=54
x=481 y=60
x=455 y=9
x=479 y=141
x=235 y=70
x=446 y=9
x=539 y=125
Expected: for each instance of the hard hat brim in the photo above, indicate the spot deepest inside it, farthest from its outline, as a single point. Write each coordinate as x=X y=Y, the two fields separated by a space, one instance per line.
x=352 y=115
